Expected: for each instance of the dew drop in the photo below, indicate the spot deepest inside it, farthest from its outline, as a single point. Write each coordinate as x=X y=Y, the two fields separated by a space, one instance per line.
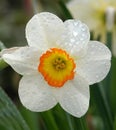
x=97 y=76
x=75 y=33
x=72 y=40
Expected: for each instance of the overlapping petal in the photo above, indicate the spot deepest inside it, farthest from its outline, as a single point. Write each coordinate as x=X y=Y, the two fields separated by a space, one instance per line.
x=96 y=64
x=75 y=37
x=74 y=96
x=43 y=30
x=24 y=60
x=35 y=94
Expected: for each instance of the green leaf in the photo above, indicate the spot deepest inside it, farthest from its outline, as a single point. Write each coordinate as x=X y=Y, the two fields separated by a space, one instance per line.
x=10 y=118
x=102 y=105
x=66 y=13
x=31 y=118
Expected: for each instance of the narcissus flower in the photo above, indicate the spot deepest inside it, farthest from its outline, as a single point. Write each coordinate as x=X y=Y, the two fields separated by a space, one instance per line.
x=99 y=15
x=58 y=65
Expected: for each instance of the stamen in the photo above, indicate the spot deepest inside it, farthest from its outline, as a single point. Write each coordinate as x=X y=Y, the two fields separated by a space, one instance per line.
x=59 y=64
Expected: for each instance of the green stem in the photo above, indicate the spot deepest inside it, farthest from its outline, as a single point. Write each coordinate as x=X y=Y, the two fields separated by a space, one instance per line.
x=113 y=85
x=107 y=81
x=83 y=123
x=70 y=121
x=49 y=120
x=109 y=44
x=109 y=39
x=76 y=123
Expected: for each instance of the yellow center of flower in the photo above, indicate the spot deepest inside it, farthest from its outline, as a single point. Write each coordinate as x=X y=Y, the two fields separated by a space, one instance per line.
x=57 y=67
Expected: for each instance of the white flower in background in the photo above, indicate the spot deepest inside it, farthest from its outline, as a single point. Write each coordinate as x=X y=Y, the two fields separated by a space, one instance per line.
x=99 y=15
x=58 y=65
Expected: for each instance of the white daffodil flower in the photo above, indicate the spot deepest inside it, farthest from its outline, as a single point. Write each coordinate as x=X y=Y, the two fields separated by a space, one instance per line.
x=99 y=15
x=58 y=65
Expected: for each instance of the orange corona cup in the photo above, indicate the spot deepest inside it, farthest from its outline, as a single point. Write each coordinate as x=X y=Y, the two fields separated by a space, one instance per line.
x=57 y=67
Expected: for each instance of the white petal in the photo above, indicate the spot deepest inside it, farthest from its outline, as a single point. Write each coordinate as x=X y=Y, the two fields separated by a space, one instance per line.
x=75 y=37
x=96 y=64
x=74 y=96
x=43 y=30
x=35 y=94
x=23 y=60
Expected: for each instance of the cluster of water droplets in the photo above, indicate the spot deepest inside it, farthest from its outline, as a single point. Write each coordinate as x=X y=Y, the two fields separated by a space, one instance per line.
x=77 y=32
x=76 y=35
